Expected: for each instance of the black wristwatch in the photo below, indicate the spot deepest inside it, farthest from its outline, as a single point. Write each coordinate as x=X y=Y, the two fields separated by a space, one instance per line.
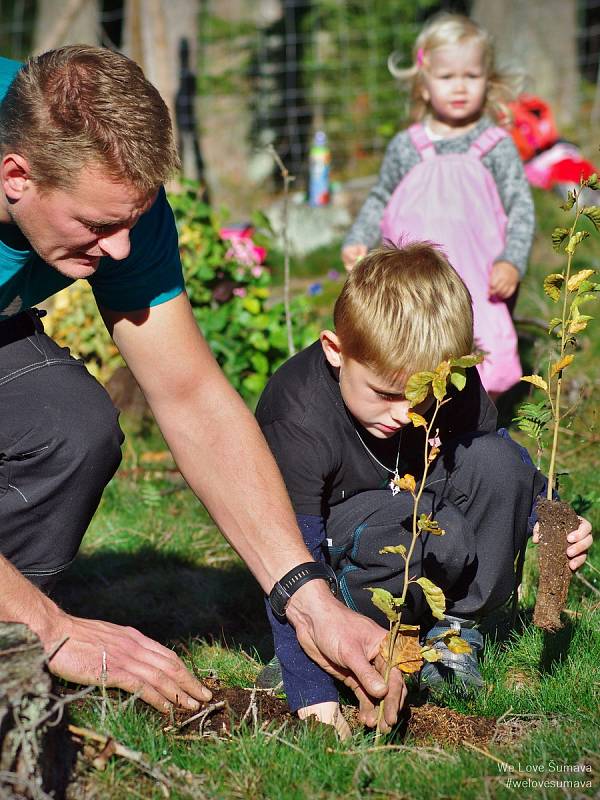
x=282 y=591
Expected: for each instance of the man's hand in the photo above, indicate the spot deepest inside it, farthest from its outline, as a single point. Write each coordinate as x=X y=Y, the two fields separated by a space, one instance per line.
x=328 y=713
x=132 y=661
x=580 y=542
x=346 y=645
x=353 y=253
x=504 y=279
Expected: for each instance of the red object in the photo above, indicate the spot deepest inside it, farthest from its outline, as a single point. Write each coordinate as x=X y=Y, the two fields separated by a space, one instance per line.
x=533 y=127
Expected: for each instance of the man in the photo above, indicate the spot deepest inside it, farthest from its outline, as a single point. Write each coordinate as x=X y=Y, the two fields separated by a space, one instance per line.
x=86 y=144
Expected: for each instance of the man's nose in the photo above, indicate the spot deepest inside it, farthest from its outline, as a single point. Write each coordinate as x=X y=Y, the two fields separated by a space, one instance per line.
x=116 y=245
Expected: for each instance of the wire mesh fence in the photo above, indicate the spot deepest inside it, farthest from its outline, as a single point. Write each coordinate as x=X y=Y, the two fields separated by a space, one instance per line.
x=292 y=67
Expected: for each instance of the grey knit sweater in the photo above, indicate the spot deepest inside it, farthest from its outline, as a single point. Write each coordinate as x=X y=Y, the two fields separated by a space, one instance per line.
x=503 y=162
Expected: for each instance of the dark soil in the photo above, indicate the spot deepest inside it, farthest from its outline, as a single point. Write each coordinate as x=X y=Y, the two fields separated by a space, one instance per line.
x=556 y=520
x=422 y=724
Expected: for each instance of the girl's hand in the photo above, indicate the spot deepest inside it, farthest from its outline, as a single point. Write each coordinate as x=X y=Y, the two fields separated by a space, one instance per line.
x=330 y=714
x=579 y=542
x=504 y=280
x=353 y=253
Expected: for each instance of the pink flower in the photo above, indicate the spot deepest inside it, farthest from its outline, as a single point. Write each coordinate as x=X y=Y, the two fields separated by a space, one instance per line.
x=436 y=441
x=239 y=291
x=257 y=271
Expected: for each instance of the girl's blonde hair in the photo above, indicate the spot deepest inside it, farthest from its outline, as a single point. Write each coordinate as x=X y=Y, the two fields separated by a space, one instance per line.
x=444 y=29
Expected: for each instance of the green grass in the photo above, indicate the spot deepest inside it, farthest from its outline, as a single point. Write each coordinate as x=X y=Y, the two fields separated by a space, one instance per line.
x=153 y=559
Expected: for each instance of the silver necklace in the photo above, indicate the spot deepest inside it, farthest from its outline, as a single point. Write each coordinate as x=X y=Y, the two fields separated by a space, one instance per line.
x=393 y=484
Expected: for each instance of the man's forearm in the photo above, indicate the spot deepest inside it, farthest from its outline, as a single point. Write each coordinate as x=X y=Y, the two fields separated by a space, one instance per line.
x=223 y=456
x=21 y=601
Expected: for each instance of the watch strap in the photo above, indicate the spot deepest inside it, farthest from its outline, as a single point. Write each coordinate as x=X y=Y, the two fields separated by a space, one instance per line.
x=284 y=588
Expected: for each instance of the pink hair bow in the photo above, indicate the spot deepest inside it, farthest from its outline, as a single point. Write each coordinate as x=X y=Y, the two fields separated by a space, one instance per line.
x=420 y=57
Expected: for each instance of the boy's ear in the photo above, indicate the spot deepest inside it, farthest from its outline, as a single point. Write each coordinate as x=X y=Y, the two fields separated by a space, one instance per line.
x=15 y=175
x=331 y=347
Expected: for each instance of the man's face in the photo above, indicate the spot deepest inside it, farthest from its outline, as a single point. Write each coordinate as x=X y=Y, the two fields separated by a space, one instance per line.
x=71 y=229
x=378 y=404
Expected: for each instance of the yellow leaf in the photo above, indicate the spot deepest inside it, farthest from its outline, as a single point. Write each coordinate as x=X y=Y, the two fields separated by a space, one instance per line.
x=467 y=361
x=575 y=241
x=560 y=365
x=417 y=420
x=536 y=380
x=578 y=325
x=430 y=654
x=552 y=284
x=407 y=483
x=417 y=387
x=576 y=280
x=394 y=548
x=384 y=601
x=434 y=596
x=407 y=651
x=457 y=645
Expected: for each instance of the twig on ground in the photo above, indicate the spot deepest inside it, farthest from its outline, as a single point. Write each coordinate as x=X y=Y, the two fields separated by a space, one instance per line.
x=586 y=583
x=425 y=752
x=270 y=735
x=201 y=715
x=251 y=709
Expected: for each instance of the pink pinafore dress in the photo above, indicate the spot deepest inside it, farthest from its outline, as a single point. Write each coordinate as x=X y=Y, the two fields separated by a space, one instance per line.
x=451 y=200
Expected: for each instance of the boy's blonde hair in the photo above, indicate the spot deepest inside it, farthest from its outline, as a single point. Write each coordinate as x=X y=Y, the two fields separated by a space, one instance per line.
x=444 y=29
x=88 y=106
x=404 y=310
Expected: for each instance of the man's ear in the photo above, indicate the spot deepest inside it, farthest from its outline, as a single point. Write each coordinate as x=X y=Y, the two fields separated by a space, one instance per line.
x=331 y=347
x=15 y=175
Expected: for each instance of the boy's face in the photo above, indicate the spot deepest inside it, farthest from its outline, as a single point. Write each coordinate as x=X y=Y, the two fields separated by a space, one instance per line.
x=379 y=406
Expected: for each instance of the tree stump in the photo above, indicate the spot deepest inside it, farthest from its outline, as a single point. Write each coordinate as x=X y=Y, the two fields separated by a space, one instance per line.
x=33 y=747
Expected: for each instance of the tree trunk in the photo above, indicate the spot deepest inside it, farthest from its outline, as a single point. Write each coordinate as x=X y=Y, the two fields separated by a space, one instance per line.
x=539 y=37
x=71 y=22
x=33 y=754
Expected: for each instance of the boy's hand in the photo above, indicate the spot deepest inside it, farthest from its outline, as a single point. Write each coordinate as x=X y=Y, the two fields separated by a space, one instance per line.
x=353 y=253
x=328 y=713
x=580 y=542
x=504 y=279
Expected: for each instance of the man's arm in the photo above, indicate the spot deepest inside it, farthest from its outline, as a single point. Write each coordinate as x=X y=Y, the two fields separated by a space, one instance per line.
x=223 y=456
x=92 y=648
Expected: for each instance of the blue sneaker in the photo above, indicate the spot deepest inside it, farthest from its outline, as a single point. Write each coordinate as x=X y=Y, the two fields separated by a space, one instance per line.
x=461 y=668
x=270 y=677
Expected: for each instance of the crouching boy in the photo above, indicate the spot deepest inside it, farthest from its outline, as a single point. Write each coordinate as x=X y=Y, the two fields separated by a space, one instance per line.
x=336 y=419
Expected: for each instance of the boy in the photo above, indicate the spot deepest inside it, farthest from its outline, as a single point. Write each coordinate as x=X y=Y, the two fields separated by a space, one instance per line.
x=335 y=417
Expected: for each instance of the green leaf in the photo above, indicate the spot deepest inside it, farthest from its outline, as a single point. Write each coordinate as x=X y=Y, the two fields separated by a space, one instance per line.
x=417 y=387
x=592 y=182
x=553 y=323
x=394 y=548
x=536 y=380
x=558 y=237
x=552 y=285
x=251 y=304
x=260 y=363
x=570 y=201
x=466 y=361
x=384 y=601
x=434 y=596
x=575 y=241
x=458 y=379
x=254 y=384
x=425 y=523
x=593 y=214
x=439 y=385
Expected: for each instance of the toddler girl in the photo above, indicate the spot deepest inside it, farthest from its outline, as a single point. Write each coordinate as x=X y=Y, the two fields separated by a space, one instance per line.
x=456 y=179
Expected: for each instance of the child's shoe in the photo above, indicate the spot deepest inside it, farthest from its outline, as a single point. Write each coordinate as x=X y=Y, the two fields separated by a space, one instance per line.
x=270 y=676
x=461 y=668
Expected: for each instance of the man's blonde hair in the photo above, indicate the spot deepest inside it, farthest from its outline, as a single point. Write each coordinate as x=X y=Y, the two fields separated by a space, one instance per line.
x=404 y=310
x=88 y=106
x=444 y=29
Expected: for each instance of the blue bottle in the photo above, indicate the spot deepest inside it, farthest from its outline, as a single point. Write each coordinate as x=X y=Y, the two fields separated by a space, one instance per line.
x=318 y=172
